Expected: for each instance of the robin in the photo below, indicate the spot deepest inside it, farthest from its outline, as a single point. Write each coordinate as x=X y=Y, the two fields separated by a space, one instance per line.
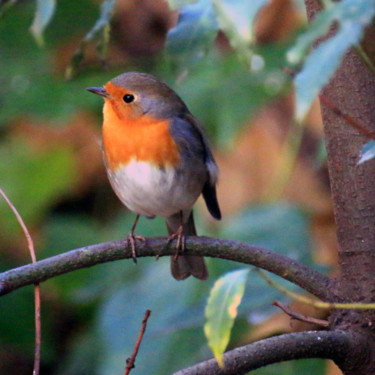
x=158 y=160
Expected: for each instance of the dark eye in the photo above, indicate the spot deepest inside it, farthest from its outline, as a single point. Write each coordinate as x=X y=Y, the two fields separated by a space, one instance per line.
x=128 y=98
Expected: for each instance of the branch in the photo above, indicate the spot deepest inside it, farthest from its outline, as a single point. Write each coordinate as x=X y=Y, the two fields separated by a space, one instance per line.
x=349 y=119
x=289 y=269
x=317 y=303
x=310 y=344
x=130 y=361
x=301 y=317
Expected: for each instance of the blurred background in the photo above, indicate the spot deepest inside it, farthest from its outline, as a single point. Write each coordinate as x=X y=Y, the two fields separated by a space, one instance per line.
x=273 y=187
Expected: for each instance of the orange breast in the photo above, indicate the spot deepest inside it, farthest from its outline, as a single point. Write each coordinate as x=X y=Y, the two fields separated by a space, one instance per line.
x=145 y=139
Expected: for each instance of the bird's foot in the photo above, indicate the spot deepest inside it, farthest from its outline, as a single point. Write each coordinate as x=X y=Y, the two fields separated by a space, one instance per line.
x=131 y=240
x=180 y=245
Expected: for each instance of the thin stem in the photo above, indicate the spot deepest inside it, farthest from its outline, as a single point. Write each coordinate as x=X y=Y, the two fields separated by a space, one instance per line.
x=289 y=269
x=38 y=330
x=315 y=303
x=30 y=245
x=130 y=361
x=301 y=317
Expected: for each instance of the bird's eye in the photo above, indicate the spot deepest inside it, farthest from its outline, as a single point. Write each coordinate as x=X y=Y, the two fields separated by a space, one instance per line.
x=128 y=98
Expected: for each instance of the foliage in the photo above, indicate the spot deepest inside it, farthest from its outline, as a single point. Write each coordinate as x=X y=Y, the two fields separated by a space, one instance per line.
x=196 y=29
x=43 y=15
x=221 y=311
x=100 y=30
x=351 y=16
x=367 y=152
x=236 y=19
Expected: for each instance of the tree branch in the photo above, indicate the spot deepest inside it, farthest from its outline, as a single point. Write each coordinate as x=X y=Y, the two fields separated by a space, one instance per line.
x=309 y=344
x=131 y=360
x=289 y=269
x=301 y=317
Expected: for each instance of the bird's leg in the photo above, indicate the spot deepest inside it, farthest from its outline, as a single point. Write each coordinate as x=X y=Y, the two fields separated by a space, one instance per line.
x=131 y=238
x=179 y=234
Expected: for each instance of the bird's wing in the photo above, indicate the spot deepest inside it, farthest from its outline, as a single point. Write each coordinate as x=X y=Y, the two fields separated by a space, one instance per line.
x=194 y=146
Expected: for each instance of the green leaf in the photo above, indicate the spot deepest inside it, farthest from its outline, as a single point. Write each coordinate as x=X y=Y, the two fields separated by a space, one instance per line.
x=318 y=27
x=320 y=66
x=45 y=10
x=281 y=227
x=100 y=30
x=195 y=31
x=352 y=17
x=106 y=12
x=221 y=311
x=367 y=152
x=236 y=19
x=178 y=4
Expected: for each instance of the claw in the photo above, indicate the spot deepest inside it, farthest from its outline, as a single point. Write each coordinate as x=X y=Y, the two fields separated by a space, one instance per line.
x=180 y=245
x=131 y=239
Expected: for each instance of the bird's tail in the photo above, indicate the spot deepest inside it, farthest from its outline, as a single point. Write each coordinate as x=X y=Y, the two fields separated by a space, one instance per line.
x=186 y=265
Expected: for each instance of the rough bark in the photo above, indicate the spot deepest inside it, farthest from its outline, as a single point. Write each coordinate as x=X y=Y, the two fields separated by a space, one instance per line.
x=312 y=281
x=353 y=191
x=310 y=344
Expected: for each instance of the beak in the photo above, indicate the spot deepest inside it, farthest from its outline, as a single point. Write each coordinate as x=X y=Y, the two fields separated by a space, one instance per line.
x=99 y=91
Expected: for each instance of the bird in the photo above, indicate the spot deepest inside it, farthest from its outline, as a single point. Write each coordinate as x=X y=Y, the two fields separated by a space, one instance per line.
x=158 y=160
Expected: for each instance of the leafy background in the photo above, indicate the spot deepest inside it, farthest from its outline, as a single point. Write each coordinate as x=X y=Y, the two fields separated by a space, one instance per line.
x=273 y=186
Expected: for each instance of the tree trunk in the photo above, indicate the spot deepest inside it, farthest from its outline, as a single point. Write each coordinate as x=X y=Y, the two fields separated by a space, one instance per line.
x=352 y=89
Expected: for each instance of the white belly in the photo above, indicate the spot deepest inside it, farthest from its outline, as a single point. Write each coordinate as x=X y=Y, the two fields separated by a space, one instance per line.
x=151 y=191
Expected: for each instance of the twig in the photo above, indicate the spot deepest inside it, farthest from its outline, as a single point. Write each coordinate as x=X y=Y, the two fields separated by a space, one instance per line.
x=311 y=280
x=298 y=316
x=38 y=331
x=350 y=120
x=315 y=303
x=130 y=361
x=30 y=244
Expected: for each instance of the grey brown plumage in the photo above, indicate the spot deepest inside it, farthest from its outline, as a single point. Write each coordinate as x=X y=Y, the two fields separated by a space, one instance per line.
x=158 y=158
